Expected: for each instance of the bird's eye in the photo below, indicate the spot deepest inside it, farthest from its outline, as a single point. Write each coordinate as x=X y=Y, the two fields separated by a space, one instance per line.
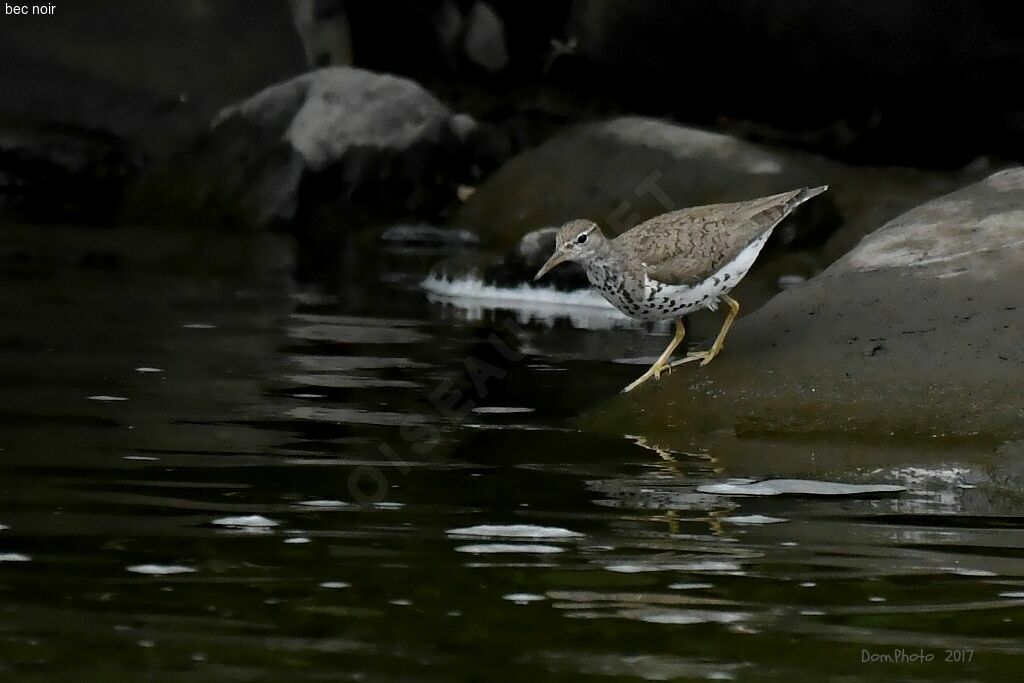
x=582 y=239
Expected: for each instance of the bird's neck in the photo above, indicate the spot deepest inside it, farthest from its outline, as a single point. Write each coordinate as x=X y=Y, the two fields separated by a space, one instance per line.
x=606 y=268
x=604 y=255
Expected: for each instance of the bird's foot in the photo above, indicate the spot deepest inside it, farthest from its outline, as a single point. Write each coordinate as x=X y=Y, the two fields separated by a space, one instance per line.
x=654 y=372
x=704 y=357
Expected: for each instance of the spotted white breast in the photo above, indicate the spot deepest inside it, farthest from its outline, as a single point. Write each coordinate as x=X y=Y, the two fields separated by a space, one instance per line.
x=662 y=301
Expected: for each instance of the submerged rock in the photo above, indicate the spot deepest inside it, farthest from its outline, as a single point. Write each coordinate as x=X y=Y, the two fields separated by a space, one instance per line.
x=428 y=235
x=54 y=174
x=623 y=171
x=335 y=139
x=916 y=332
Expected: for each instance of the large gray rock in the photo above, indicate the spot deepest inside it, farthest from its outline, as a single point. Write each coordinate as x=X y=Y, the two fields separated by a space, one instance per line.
x=977 y=232
x=152 y=73
x=870 y=196
x=874 y=82
x=916 y=332
x=335 y=138
x=622 y=171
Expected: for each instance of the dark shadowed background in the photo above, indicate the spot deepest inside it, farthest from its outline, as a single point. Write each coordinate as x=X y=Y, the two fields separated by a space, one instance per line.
x=280 y=401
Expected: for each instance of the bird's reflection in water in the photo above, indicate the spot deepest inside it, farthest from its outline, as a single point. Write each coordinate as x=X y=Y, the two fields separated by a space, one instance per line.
x=669 y=464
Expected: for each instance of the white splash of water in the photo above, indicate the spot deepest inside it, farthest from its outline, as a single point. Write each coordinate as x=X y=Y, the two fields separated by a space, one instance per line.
x=531 y=531
x=526 y=548
x=160 y=569
x=247 y=521
x=585 y=308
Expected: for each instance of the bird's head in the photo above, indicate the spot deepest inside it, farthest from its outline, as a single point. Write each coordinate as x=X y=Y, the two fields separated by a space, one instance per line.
x=578 y=240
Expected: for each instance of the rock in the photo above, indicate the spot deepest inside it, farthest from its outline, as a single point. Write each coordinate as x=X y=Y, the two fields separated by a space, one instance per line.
x=867 y=82
x=422 y=234
x=871 y=83
x=869 y=196
x=913 y=333
x=52 y=174
x=484 y=42
x=790 y=280
x=335 y=139
x=151 y=73
x=448 y=40
x=622 y=171
x=325 y=32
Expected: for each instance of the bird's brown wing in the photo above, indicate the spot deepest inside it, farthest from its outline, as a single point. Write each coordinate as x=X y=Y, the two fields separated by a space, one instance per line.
x=688 y=246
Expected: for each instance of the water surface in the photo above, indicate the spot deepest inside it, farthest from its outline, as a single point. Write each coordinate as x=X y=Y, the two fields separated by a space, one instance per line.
x=181 y=427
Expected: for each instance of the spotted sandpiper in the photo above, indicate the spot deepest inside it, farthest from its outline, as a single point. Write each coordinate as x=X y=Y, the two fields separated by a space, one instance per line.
x=677 y=263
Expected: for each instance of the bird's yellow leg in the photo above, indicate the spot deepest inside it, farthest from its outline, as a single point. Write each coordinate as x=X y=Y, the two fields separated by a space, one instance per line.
x=662 y=363
x=706 y=357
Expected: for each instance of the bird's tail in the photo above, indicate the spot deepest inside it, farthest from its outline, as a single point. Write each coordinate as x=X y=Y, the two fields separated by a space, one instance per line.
x=803 y=194
x=767 y=212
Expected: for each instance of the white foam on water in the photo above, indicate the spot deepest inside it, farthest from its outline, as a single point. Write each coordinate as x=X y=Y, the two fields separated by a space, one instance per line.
x=145 y=369
x=711 y=566
x=695 y=566
x=145 y=458
x=523 y=598
x=690 y=586
x=401 y=602
x=474 y=288
x=687 y=617
x=247 y=521
x=4 y=527
x=199 y=326
x=107 y=399
x=967 y=571
x=515 y=531
x=324 y=504
x=297 y=540
x=1013 y=594
x=161 y=569
x=495 y=548
x=753 y=519
x=806 y=487
x=14 y=557
x=635 y=568
x=584 y=308
x=335 y=584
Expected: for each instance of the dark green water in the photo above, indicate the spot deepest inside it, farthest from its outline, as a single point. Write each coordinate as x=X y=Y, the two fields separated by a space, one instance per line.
x=261 y=403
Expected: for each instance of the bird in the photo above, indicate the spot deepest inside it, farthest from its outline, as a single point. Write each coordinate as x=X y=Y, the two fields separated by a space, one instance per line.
x=676 y=263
